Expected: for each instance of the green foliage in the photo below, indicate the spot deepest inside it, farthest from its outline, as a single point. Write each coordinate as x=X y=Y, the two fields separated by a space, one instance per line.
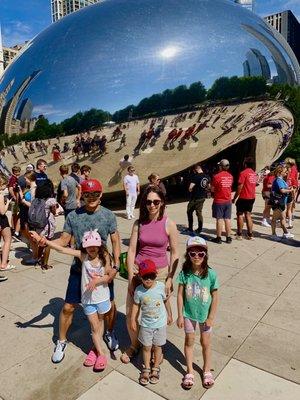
x=228 y=88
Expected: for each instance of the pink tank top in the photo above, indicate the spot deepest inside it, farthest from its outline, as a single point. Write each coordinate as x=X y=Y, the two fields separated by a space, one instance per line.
x=153 y=242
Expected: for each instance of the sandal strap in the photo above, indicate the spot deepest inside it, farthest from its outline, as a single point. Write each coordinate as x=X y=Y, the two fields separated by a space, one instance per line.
x=146 y=370
x=155 y=369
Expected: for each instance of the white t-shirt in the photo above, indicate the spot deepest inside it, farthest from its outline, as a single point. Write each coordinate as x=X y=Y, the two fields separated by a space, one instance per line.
x=101 y=292
x=131 y=182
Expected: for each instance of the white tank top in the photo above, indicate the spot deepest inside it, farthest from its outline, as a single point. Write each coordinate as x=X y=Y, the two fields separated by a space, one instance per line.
x=101 y=292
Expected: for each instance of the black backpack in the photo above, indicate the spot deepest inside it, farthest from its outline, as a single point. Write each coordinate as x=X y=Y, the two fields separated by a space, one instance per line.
x=37 y=216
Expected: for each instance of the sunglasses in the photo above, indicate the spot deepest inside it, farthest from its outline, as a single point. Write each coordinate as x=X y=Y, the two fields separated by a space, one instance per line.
x=200 y=254
x=155 y=202
x=91 y=195
x=152 y=277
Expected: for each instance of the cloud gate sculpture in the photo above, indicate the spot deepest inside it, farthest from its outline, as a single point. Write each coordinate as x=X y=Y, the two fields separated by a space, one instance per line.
x=115 y=54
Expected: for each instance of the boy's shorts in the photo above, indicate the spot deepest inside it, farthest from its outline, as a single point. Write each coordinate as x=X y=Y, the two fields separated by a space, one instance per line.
x=153 y=337
x=100 y=308
x=190 y=326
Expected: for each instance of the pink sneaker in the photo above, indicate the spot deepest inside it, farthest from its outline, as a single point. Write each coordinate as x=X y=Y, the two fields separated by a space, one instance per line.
x=100 y=363
x=90 y=359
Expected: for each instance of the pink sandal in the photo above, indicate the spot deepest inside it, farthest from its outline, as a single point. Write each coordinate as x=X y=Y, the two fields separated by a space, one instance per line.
x=100 y=363
x=90 y=359
x=188 y=381
x=208 y=380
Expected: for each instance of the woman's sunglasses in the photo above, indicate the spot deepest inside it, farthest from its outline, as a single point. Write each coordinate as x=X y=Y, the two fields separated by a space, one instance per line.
x=194 y=254
x=155 y=202
x=149 y=276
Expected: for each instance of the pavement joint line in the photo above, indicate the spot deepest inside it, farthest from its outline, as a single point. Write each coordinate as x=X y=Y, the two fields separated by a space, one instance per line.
x=264 y=370
x=260 y=322
x=283 y=329
x=21 y=361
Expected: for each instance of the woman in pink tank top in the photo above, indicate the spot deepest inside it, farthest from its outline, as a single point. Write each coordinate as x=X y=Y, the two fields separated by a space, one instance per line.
x=151 y=235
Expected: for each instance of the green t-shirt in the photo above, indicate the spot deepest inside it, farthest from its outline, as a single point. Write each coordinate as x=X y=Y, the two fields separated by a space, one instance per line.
x=197 y=294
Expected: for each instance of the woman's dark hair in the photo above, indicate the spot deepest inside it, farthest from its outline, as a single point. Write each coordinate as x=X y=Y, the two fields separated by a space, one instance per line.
x=45 y=190
x=144 y=214
x=188 y=265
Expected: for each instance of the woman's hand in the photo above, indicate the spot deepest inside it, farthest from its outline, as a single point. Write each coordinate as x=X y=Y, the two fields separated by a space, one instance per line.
x=35 y=236
x=131 y=287
x=209 y=322
x=133 y=326
x=168 y=286
x=180 y=322
x=93 y=283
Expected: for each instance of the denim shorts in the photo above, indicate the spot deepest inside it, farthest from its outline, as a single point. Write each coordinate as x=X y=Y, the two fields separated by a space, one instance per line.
x=153 y=336
x=190 y=326
x=100 y=308
x=73 y=294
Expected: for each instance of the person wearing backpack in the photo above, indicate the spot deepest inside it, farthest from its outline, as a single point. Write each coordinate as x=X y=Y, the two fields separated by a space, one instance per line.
x=41 y=218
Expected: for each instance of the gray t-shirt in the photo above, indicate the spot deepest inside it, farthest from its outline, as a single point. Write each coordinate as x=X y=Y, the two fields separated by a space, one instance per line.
x=70 y=185
x=80 y=221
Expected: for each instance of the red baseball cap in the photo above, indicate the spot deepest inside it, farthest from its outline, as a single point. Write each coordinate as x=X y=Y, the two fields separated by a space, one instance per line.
x=91 y=185
x=147 y=267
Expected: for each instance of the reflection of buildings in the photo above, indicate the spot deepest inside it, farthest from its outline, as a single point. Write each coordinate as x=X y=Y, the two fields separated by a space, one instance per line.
x=60 y=8
x=7 y=54
x=256 y=64
x=285 y=71
x=287 y=24
x=8 y=124
x=249 y=4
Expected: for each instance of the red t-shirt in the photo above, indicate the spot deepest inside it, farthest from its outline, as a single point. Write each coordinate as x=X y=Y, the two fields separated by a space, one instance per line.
x=13 y=180
x=248 y=179
x=293 y=176
x=268 y=180
x=222 y=184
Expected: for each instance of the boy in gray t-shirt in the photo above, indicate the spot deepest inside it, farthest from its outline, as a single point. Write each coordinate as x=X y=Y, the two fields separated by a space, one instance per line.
x=70 y=190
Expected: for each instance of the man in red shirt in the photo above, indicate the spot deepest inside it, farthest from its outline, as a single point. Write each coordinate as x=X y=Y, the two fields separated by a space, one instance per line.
x=221 y=207
x=245 y=196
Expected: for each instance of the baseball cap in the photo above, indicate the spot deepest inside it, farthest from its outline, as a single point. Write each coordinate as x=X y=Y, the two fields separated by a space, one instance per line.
x=91 y=185
x=196 y=241
x=91 y=238
x=147 y=267
x=224 y=163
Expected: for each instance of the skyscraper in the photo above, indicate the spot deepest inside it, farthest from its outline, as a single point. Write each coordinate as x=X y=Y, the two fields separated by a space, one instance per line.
x=60 y=8
x=287 y=24
x=249 y=4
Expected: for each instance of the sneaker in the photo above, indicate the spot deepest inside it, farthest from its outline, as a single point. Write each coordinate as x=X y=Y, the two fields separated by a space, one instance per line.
x=229 y=239
x=59 y=351
x=3 y=278
x=288 y=235
x=290 y=225
x=265 y=223
x=111 y=340
x=276 y=238
x=198 y=231
x=129 y=217
x=217 y=240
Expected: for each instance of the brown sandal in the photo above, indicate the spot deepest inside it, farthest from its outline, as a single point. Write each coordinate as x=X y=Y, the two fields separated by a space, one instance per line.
x=154 y=376
x=46 y=266
x=126 y=358
x=144 y=376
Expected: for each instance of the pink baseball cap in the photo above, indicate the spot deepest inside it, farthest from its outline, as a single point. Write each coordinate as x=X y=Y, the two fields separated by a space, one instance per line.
x=91 y=238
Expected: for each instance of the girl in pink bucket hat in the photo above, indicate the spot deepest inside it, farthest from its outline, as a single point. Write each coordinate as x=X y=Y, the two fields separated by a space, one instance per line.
x=95 y=298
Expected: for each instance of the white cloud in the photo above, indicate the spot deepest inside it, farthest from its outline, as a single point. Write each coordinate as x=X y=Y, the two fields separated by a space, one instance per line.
x=48 y=109
x=16 y=32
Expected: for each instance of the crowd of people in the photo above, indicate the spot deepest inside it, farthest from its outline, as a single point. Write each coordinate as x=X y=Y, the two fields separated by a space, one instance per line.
x=153 y=254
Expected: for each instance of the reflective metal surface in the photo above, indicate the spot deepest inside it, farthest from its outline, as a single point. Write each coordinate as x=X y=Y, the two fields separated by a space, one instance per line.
x=117 y=52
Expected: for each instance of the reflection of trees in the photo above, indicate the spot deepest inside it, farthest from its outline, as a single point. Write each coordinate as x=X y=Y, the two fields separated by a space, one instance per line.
x=227 y=88
x=181 y=96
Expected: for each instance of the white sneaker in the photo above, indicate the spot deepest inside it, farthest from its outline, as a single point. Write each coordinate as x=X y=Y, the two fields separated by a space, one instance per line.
x=265 y=223
x=276 y=238
x=59 y=351
x=288 y=235
x=129 y=217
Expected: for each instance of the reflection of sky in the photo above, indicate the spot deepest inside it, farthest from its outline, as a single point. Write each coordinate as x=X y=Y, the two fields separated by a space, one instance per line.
x=113 y=54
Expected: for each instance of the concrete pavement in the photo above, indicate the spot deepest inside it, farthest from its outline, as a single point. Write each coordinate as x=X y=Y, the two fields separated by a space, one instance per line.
x=256 y=338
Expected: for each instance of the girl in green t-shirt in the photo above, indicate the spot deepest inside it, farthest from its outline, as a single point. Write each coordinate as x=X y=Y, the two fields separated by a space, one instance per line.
x=197 y=304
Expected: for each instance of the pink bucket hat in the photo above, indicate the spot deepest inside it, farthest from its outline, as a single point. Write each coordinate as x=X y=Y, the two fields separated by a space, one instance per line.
x=91 y=238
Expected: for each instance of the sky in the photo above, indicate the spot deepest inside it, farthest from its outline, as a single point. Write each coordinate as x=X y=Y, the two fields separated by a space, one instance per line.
x=21 y=20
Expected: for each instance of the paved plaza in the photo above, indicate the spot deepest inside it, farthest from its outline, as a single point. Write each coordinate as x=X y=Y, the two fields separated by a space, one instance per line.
x=256 y=337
